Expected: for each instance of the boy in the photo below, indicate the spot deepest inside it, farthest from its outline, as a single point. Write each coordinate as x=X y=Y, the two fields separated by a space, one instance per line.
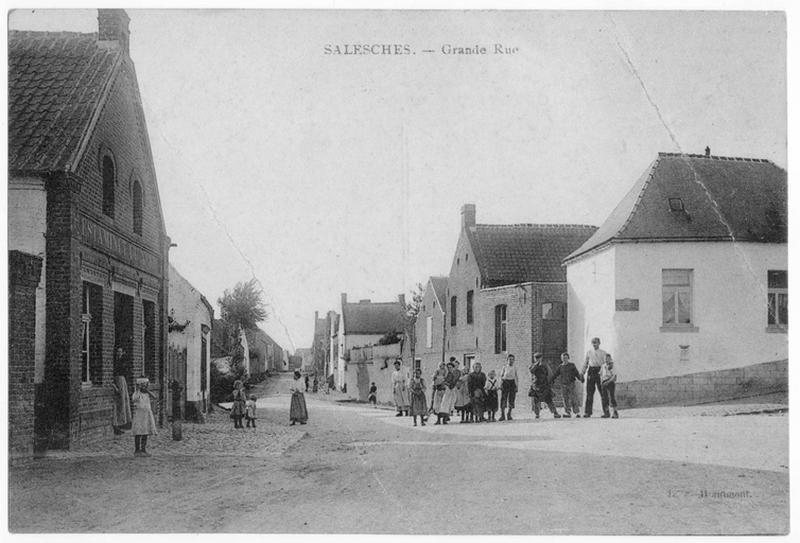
x=373 y=395
x=566 y=374
x=540 y=386
x=608 y=380
x=250 y=411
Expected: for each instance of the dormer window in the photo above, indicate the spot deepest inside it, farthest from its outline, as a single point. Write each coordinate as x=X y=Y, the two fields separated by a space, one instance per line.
x=676 y=204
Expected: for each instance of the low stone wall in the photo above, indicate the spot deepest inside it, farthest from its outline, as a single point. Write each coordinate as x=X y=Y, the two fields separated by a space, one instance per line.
x=705 y=387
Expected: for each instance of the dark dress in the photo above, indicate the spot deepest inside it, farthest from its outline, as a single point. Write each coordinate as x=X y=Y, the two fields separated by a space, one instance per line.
x=239 y=403
x=419 y=405
x=297 y=409
x=491 y=395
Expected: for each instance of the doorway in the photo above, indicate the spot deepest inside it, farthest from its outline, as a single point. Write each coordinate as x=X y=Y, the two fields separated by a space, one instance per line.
x=123 y=336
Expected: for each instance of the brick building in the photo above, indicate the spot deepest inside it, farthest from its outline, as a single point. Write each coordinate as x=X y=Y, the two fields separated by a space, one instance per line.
x=320 y=348
x=188 y=369
x=507 y=292
x=686 y=282
x=24 y=275
x=265 y=353
x=83 y=196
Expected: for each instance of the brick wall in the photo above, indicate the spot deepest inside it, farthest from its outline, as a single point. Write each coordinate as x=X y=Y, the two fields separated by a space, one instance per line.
x=24 y=276
x=705 y=387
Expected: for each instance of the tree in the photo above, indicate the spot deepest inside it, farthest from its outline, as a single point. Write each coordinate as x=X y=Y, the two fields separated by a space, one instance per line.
x=412 y=310
x=244 y=306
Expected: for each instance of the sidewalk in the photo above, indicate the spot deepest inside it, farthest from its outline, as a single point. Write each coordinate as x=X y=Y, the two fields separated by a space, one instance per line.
x=217 y=437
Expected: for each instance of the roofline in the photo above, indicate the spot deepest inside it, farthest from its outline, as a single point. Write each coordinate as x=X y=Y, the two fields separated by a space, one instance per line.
x=716 y=157
x=77 y=154
x=699 y=239
x=433 y=288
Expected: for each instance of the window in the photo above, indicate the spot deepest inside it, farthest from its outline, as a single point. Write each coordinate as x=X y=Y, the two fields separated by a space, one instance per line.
x=429 y=332
x=675 y=204
x=470 y=295
x=91 y=334
x=676 y=298
x=109 y=182
x=453 y=313
x=554 y=311
x=500 y=328
x=137 y=208
x=777 y=298
x=86 y=320
x=149 y=367
x=417 y=364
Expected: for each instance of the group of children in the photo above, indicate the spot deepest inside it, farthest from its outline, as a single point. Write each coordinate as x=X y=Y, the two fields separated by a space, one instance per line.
x=474 y=395
x=243 y=407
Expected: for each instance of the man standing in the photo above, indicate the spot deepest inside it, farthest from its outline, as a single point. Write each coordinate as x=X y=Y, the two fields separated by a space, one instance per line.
x=595 y=358
x=508 y=385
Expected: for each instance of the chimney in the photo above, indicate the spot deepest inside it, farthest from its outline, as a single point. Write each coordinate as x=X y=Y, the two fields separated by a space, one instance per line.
x=467 y=215
x=112 y=25
x=344 y=298
x=316 y=316
x=708 y=150
x=402 y=299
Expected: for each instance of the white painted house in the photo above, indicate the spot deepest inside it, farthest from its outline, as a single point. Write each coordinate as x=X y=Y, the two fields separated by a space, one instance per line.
x=190 y=320
x=686 y=282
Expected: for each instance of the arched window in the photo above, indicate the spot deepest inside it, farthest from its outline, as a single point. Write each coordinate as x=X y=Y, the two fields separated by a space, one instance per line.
x=109 y=182
x=137 y=207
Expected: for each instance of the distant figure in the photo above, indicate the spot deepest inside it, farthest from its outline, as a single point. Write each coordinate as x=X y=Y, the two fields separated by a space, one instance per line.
x=567 y=374
x=419 y=405
x=509 y=383
x=475 y=383
x=491 y=395
x=608 y=384
x=306 y=379
x=239 y=404
x=541 y=390
x=372 y=397
x=250 y=411
x=437 y=392
x=591 y=369
x=121 y=415
x=399 y=389
x=297 y=410
x=449 y=398
x=144 y=424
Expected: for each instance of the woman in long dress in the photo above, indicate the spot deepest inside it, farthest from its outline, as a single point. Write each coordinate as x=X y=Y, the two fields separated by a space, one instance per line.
x=438 y=387
x=297 y=410
x=449 y=397
x=419 y=405
x=399 y=389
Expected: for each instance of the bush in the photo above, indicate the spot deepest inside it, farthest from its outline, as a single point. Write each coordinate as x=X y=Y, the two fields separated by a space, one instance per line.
x=222 y=382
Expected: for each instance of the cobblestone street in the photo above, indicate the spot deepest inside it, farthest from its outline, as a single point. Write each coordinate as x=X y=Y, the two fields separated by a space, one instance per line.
x=356 y=469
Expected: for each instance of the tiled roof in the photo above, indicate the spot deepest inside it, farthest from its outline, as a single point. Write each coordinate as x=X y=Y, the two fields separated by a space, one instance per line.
x=373 y=318
x=519 y=253
x=56 y=80
x=439 y=284
x=724 y=198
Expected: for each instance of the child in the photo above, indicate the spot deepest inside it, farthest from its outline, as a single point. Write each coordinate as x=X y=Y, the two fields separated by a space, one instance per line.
x=419 y=406
x=608 y=380
x=250 y=411
x=239 y=403
x=491 y=395
x=567 y=373
x=373 y=395
x=144 y=424
x=463 y=402
x=540 y=386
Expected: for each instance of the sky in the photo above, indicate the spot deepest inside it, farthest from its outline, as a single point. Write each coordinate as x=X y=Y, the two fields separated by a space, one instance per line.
x=321 y=173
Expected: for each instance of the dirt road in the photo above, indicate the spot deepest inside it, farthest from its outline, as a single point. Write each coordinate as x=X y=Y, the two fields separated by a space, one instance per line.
x=360 y=470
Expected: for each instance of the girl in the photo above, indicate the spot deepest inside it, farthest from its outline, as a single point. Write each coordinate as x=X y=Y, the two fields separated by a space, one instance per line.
x=144 y=424
x=239 y=404
x=491 y=395
x=297 y=409
x=250 y=411
x=419 y=406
